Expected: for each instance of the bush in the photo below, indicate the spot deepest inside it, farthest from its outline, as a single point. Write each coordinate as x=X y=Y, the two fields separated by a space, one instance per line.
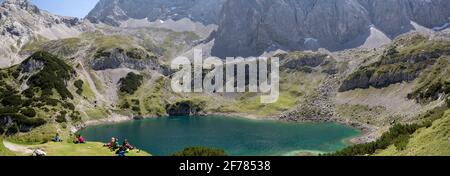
x=75 y=116
x=12 y=100
x=448 y=102
x=130 y=83
x=29 y=112
x=23 y=120
x=397 y=135
x=61 y=118
x=136 y=109
x=200 y=151
x=401 y=142
x=125 y=105
x=69 y=106
x=79 y=85
x=9 y=110
x=29 y=93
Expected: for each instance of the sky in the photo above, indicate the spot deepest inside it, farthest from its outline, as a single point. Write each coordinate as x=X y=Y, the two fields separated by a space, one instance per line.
x=74 y=8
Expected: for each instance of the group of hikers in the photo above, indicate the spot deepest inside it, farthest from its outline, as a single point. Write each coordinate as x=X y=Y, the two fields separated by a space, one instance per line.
x=77 y=140
x=113 y=144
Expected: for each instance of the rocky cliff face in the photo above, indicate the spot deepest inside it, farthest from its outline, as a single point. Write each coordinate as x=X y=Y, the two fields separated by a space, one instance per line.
x=21 y=22
x=119 y=58
x=250 y=27
x=114 y=11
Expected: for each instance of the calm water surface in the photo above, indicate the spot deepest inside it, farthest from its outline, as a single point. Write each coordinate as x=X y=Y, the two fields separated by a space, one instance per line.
x=238 y=136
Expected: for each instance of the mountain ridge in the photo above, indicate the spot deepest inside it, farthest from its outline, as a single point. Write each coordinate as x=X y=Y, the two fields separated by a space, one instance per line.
x=21 y=22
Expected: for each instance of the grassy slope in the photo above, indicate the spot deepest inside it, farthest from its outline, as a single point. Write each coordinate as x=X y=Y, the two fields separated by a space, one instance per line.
x=432 y=141
x=88 y=149
x=39 y=138
x=69 y=149
x=4 y=151
x=294 y=86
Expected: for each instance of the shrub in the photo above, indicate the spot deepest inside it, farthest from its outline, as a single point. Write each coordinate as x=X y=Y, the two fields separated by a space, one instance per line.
x=69 y=106
x=29 y=93
x=136 y=108
x=401 y=142
x=75 y=116
x=23 y=120
x=79 y=85
x=200 y=151
x=125 y=105
x=398 y=135
x=130 y=83
x=29 y=112
x=61 y=118
x=448 y=102
x=9 y=110
x=12 y=100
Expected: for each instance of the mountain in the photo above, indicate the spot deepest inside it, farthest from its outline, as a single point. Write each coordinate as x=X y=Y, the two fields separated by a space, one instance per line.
x=250 y=27
x=61 y=74
x=21 y=22
x=113 y=12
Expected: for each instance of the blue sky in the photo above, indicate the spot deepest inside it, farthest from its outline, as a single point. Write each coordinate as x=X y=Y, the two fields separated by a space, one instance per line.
x=75 y=8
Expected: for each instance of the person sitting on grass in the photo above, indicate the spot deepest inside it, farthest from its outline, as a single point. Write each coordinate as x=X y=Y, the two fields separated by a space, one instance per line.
x=115 y=145
x=110 y=143
x=79 y=139
x=122 y=151
x=127 y=145
x=57 y=138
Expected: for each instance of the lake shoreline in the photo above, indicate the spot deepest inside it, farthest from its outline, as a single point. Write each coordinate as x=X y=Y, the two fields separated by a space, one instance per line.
x=367 y=133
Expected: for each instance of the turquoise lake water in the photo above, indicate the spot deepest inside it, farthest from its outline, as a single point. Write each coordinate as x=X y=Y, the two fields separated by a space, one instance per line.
x=237 y=136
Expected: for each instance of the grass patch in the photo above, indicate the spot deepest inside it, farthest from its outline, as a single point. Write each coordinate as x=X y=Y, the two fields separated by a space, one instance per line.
x=87 y=91
x=38 y=135
x=4 y=151
x=294 y=87
x=89 y=149
x=114 y=41
x=96 y=114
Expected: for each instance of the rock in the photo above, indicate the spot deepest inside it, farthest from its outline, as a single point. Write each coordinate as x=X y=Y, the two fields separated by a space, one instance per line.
x=297 y=60
x=21 y=22
x=31 y=66
x=25 y=128
x=250 y=27
x=185 y=108
x=113 y=12
x=39 y=152
x=373 y=75
x=118 y=58
x=138 y=117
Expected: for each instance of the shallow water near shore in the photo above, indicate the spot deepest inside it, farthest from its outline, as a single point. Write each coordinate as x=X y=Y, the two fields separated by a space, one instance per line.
x=237 y=136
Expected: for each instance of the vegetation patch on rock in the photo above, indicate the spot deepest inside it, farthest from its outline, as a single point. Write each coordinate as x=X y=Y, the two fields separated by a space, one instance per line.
x=200 y=151
x=53 y=75
x=130 y=83
x=403 y=61
x=186 y=108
